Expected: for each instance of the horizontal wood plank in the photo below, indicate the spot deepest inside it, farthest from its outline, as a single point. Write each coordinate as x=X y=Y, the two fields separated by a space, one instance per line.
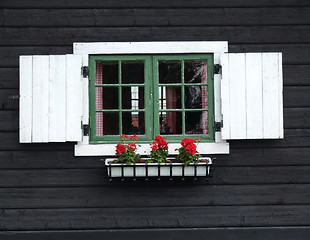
x=167 y=217
x=155 y=17
x=148 y=4
x=9 y=121
x=233 y=34
x=98 y=177
x=254 y=233
x=9 y=77
x=208 y=195
x=9 y=99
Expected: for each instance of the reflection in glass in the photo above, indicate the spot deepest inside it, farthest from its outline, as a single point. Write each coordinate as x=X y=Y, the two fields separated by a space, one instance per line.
x=195 y=71
x=196 y=122
x=133 y=122
x=170 y=98
x=133 y=97
x=106 y=72
x=132 y=72
x=106 y=98
x=170 y=123
x=107 y=123
x=193 y=97
x=169 y=71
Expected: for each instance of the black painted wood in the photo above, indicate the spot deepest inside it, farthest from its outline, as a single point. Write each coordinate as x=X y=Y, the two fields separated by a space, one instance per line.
x=154 y=17
x=148 y=4
x=254 y=233
x=155 y=217
x=147 y=196
x=233 y=34
x=98 y=177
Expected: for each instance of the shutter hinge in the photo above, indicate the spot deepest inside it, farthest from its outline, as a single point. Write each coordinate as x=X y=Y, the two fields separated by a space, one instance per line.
x=85 y=71
x=217 y=68
x=218 y=126
x=86 y=130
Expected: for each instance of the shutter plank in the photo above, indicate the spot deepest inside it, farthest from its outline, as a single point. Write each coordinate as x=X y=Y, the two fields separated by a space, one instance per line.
x=237 y=96
x=40 y=88
x=280 y=98
x=74 y=97
x=57 y=98
x=254 y=96
x=25 y=102
x=270 y=95
x=225 y=96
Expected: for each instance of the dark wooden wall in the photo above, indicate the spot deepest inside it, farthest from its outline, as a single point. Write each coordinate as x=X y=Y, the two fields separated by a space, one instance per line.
x=260 y=191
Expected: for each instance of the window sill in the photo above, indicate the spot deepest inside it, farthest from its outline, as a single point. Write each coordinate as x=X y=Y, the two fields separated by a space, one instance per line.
x=85 y=149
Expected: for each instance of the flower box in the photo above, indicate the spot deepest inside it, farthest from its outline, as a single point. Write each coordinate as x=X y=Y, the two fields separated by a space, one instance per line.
x=199 y=169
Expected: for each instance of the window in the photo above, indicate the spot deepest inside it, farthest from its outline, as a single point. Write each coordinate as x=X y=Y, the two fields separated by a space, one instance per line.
x=150 y=88
x=147 y=95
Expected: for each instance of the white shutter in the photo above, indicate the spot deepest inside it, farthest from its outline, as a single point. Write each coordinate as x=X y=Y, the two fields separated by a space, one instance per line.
x=51 y=98
x=252 y=95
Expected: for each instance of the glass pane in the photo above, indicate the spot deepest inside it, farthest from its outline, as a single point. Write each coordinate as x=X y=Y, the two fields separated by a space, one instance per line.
x=170 y=98
x=196 y=97
x=107 y=123
x=133 y=97
x=195 y=71
x=170 y=122
x=133 y=122
x=107 y=72
x=169 y=71
x=132 y=72
x=196 y=122
x=106 y=98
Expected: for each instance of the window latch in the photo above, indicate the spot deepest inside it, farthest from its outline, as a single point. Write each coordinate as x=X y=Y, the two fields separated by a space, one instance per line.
x=85 y=71
x=218 y=126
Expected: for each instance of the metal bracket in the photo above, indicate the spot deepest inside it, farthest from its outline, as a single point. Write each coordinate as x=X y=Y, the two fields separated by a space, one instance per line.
x=85 y=71
x=218 y=126
x=86 y=130
x=217 y=68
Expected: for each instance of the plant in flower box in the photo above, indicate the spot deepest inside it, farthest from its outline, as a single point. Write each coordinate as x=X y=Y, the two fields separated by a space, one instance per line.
x=188 y=153
x=159 y=152
x=127 y=153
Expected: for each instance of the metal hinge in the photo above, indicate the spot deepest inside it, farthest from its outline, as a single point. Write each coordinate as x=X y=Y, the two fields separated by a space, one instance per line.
x=217 y=68
x=86 y=130
x=85 y=71
x=218 y=126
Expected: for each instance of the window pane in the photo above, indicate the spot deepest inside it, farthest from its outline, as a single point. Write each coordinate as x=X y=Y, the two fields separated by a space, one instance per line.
x=170 y=98
x=196 y=122
x=195 y=71
x=133 y=122
x=193 y=97
x=133 y=97
x=170 y=122
x=107 y=72
x=106 y=98
x=107 y=123
x=132 y=72
x=169 y=71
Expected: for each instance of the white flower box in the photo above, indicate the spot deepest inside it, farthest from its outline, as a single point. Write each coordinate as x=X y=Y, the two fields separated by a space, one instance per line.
x=201 y=169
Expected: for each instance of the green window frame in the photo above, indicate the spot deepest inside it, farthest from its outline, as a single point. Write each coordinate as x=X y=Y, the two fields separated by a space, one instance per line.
x=151 y=86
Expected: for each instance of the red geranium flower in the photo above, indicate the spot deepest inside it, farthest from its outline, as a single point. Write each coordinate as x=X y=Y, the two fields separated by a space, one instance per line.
x=158 y=138
x=154 y=146
x=162 y=143
x=191 y=148
x=187 y=141
x=124 y=137
x=133 y=146
x=134 y=137
x=120 y=148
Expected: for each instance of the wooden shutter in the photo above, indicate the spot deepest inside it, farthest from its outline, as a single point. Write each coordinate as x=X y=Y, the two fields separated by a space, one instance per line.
x=252 y=95
x=51 y=98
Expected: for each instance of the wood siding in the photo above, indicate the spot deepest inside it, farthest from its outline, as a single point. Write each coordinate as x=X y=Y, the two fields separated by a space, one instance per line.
x=261 y=190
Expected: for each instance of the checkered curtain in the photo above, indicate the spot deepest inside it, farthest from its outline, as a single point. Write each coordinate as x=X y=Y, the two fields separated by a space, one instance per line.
x=99 y=100
x=204 y=98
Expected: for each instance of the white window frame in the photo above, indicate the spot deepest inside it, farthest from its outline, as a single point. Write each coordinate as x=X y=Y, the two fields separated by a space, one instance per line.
x=219 y=146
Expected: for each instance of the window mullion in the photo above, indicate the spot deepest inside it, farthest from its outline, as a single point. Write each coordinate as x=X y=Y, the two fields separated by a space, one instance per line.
x=183 y=97
x=120 y=97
